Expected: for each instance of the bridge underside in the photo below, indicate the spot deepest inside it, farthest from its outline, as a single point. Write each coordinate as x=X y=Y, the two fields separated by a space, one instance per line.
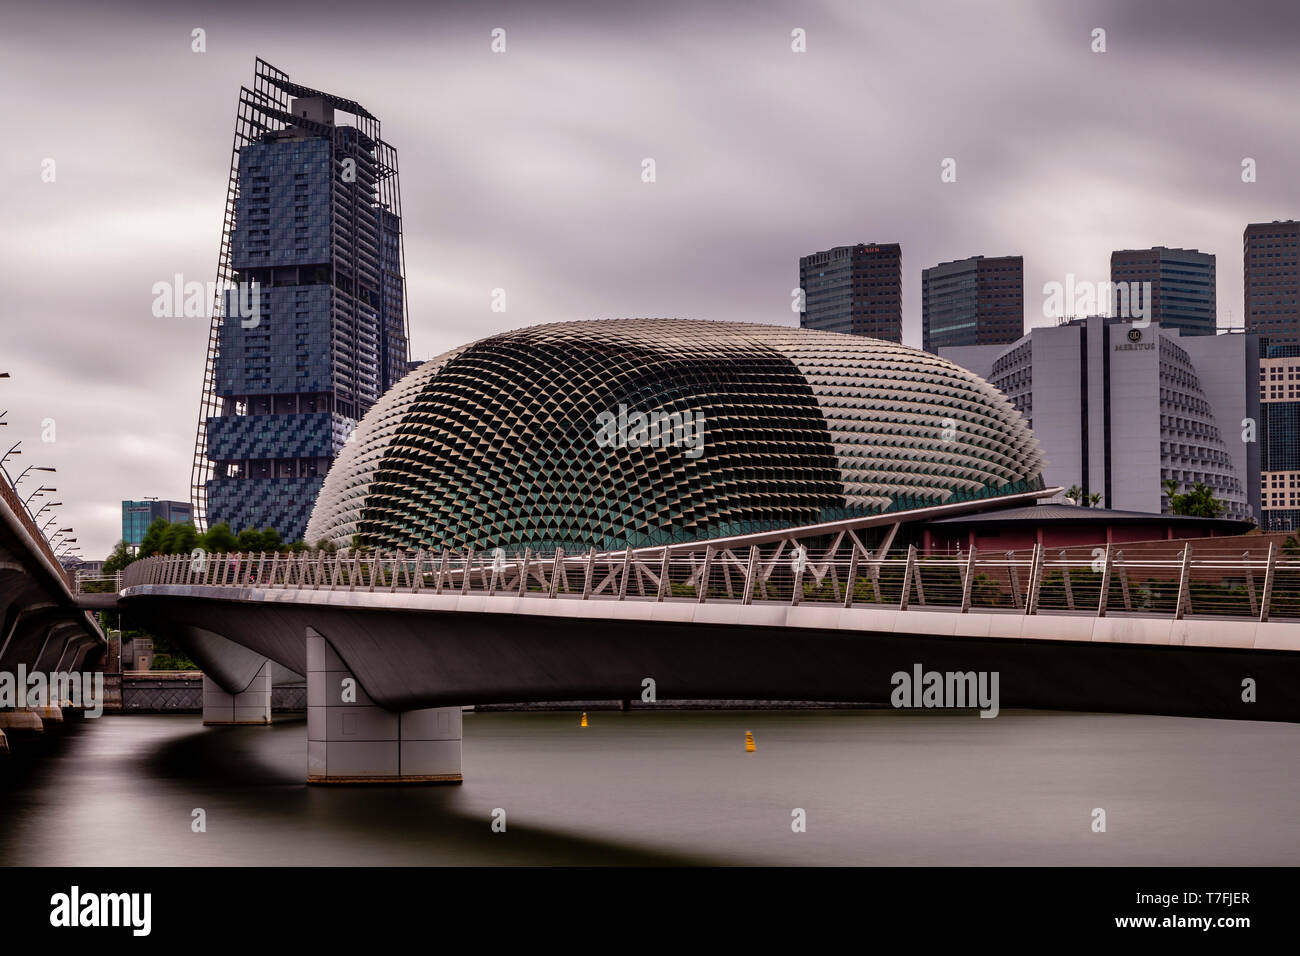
x=449 y=650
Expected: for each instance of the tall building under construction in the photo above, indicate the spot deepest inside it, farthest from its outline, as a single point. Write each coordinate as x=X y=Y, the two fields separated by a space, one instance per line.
x=309 y=324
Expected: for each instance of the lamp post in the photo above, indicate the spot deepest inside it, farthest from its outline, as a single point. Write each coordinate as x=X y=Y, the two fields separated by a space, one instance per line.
x=32 y=468
x=39 y=491
x=13 y=450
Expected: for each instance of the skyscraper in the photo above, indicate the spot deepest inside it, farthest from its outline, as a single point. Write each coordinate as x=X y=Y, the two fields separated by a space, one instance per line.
x=975 y=301
x=1182 y=287
x=309 y=327
x=1271 y=251
x=138 y=515
x=1279 y=434
x=855 y=289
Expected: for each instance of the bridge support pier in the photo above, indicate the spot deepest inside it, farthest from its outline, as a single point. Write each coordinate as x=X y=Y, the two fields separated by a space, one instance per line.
x=252 y=705
x=21 y=721
x=351 y=739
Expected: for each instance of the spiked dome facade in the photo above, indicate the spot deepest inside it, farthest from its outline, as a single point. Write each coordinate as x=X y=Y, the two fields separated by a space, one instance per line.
x=497 y=444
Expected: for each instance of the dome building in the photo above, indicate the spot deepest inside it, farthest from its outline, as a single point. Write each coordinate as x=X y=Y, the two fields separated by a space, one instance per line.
x=642 y=432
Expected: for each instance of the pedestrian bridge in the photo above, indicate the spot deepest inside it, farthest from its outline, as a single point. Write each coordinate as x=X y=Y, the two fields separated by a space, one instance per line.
x=392 y=643
x=43 y=627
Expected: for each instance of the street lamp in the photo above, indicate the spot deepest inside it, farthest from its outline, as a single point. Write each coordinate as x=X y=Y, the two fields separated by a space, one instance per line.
x=5 y=457
x=48 y=504
x=32 y=468
x=38 y=491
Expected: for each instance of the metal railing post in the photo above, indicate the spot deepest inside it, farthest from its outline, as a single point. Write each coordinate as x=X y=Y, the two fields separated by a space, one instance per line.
x=1250 y=583
x=702 y=587
x=442 y=570
x=750 y=573
x=801 y=559
x=557 y=568
x=968 y=583
x=1035 y=581
x=1105 y=584
x=1184 y=585
x=524 y=563
x=1065 y=578
x=1013 y=575
x=1270 y=570
x=627 y=569
x=465 y=573
x=852 y=584
x=663 y=576
x=1123 y=580
x=909 y=571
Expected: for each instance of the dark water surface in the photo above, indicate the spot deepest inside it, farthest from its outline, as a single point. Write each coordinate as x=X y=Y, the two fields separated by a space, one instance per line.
x=677 y=787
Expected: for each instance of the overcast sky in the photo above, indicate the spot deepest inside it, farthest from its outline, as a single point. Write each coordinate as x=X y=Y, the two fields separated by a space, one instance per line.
x=522 y=170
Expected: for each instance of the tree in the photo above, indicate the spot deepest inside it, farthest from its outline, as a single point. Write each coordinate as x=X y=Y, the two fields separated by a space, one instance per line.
x=1081 y=498
x=152 y=543
x=219 y=539
x=179 y=538
x=1197 y=503
x=118 y=559
x=252 y=540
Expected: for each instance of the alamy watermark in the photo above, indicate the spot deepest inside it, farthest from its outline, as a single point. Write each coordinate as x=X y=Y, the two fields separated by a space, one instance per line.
x=947 y=689
x=653 y=429
x=38 y=689
x=1080 y=297
x=193 y=300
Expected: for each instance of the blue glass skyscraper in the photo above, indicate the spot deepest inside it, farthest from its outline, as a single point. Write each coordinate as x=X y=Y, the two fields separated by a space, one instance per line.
x=309 y=326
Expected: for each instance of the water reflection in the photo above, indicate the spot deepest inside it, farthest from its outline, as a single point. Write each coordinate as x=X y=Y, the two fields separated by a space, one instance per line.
x=675 y=788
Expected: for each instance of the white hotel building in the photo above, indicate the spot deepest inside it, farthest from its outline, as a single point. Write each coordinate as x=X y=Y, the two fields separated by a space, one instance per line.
x=1119 y=409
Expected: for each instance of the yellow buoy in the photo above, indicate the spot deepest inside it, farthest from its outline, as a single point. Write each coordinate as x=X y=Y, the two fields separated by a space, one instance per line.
x=584 y=718
x=749 y=742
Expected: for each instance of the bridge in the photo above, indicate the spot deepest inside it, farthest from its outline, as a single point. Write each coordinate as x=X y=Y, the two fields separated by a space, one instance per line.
x=393 y=643
x=43 y=628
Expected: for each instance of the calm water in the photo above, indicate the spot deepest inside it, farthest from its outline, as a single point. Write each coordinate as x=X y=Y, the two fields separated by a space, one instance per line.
x=677 y=787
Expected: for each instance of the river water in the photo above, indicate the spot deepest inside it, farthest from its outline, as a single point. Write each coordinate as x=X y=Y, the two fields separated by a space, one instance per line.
x=677 y=787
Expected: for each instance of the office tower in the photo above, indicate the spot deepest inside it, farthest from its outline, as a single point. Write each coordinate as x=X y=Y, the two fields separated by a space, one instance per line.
x=855 y=289
x=1182 y=287
x=975 y=301
x=1118 y=409
x=1271 y=253
x=1279 y=436
x=310 y=324
x=138 y=515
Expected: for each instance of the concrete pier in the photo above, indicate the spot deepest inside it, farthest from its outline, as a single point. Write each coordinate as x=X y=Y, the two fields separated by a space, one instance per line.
x=252 y=705
x=351 y=739
x=21 y=721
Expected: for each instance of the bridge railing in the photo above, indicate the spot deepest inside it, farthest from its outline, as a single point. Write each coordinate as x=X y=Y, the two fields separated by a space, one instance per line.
x=15 y=504
x=1222 y=581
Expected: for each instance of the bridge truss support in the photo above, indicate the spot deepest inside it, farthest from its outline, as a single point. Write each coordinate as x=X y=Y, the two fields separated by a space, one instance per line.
x=252 y=705
x=351 y=739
